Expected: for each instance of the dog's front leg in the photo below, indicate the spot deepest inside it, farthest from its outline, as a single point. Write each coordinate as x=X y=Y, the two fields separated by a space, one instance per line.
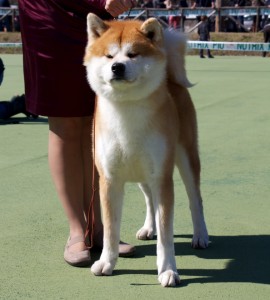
x=163 y=197
x=111 y=197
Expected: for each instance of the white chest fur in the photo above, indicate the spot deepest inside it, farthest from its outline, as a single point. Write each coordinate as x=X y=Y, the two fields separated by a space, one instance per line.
x=127 y=146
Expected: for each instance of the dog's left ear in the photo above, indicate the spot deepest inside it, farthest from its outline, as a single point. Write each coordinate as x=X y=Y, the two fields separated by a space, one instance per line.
x=95 y=27
x=152 y=29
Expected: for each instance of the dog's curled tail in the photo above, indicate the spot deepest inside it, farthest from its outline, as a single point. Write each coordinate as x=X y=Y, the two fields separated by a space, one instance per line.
x=175 y=44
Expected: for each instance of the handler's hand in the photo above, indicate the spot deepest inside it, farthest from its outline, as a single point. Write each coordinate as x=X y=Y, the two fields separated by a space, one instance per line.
x=117 y=7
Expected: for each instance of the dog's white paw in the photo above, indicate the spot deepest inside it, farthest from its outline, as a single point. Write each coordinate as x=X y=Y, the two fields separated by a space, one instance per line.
x=100 y=268
x=200 y=240
x=145 y=233
x=169 y=278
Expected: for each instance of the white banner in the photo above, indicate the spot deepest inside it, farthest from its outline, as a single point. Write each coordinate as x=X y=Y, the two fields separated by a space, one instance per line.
x=10 y=45
x=229 y=46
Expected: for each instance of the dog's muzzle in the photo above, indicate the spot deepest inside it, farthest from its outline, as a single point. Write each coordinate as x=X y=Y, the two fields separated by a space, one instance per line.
x=118 y=70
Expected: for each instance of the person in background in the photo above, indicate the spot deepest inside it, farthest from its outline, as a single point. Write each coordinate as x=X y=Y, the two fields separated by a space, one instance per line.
x=203 y=31
x=240 y=3
x=205 y=4
x=54 y=38
x=266 y=35
x=173 y=21
x=266 y=18
x=147 y=4
x=16 y=105
x=159 y=4
x=5 y=23
x=256 y=3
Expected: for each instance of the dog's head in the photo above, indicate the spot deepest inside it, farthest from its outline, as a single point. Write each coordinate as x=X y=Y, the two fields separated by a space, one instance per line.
x=125 y=60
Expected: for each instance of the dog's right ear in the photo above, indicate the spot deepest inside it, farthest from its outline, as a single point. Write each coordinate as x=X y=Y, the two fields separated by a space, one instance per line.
x=95 y=27
x=152 y=29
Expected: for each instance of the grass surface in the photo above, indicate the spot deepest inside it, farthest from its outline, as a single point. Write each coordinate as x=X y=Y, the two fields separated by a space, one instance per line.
x=232 y=100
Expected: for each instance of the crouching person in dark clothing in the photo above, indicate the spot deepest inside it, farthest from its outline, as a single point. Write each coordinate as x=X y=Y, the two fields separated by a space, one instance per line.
x=13 y=107
x=16 y=105
x=2 y=69
x=203 y=31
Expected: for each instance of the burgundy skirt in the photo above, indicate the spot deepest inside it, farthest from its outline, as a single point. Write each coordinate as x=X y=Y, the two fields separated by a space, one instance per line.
x=54 y=39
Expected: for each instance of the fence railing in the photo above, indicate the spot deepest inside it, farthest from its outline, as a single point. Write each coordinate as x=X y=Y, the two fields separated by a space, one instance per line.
x=189 y=13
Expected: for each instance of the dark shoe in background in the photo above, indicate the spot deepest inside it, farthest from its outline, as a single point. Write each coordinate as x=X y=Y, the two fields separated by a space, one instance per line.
x=18 y=106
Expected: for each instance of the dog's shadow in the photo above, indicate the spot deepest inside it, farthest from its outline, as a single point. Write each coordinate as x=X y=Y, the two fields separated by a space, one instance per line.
x=247 y=259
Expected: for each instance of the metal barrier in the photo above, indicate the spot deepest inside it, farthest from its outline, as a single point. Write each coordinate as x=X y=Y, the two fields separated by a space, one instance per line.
x=189 y=13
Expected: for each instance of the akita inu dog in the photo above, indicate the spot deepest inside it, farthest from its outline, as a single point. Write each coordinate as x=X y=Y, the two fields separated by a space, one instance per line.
x=145 y=124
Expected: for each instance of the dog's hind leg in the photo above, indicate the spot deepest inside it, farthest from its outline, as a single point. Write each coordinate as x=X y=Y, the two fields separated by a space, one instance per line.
x=163 y=200
x=149 y=228
x=111 y=197
x=188 y=164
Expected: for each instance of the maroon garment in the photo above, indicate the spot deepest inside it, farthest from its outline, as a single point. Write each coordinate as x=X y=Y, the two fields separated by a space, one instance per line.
x=54 y=39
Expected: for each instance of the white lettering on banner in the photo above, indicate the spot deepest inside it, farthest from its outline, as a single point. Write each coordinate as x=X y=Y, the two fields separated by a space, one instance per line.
x=229 y=46
x=218 y=46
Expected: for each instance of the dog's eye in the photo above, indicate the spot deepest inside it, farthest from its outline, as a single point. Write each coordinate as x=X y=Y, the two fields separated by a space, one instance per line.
x=132 y=55
x=109 y=56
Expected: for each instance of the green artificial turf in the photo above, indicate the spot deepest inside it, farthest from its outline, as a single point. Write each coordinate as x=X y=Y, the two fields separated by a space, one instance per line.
x=232 y=99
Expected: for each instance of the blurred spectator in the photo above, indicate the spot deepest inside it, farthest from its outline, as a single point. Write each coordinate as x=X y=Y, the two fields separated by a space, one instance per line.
x=255 y=26
x=203 y=3
x=265 y=18
x=240 y=3
x=183 y=3
x=203 y=31
x=266 y=34
x=147 y=4
x=6 y=22
x=206 y=3
x=159 y=4
x=175 y=21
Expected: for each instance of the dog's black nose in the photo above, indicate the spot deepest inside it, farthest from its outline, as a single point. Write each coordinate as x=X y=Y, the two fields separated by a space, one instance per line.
x=118 y=69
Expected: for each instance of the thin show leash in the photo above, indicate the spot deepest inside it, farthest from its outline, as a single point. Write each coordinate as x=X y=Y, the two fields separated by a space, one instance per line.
x=91 y=213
